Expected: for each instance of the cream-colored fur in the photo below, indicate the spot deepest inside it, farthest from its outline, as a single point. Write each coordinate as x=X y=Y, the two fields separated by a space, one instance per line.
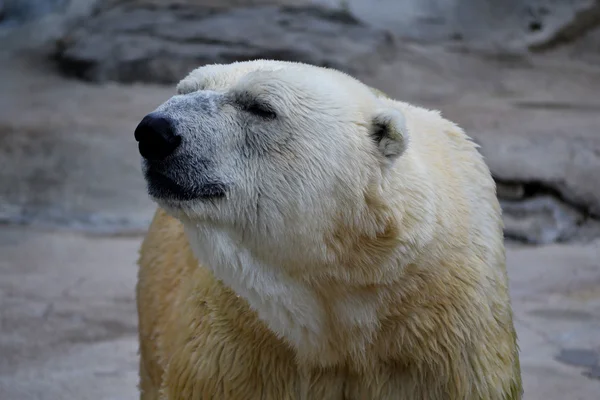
x=358 y=254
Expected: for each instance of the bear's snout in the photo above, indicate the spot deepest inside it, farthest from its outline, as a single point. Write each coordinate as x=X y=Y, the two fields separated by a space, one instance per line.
x=156 y=137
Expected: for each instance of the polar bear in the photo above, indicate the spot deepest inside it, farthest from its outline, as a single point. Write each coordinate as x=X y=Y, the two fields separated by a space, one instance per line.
x=317 y=240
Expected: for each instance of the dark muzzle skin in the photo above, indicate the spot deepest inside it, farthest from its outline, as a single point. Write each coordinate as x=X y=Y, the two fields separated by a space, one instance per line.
x=178 y=151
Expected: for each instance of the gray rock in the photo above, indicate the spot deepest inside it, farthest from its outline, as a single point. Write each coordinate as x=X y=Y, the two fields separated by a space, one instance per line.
x=69 y=161
x=159 y=43
x=33 y=25
x=15 y=12
x=486 y=24
x=578 y=357
x=565 y=156
x=539 y=220
x=593 y=373
x=580 y=17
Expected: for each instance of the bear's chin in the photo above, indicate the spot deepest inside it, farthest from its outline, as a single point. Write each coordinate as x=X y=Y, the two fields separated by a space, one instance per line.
x=163 y=188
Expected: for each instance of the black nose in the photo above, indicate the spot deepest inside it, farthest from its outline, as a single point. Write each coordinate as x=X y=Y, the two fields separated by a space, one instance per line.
x=157 y=138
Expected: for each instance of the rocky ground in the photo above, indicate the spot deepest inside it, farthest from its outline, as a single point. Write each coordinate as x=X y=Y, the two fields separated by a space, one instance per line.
x=73 y=207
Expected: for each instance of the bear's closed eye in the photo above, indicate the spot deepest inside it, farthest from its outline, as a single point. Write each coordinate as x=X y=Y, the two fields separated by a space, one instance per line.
x=260 y=110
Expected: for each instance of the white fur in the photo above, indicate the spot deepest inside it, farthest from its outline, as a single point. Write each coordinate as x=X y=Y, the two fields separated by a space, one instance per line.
x=279 y=212
x=289 y=309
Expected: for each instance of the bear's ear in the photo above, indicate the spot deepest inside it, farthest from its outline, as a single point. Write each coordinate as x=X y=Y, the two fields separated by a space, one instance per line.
x=390 y=133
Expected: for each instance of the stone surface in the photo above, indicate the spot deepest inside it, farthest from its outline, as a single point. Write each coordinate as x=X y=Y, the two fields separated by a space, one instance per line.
x=581 y=17
x=493 y=25
x=14 y=12
x=34 y=24
x=68 y=325
x=593 y=373
x=485 y=24
x=579 y=357
x=216 y=3
x=161 y=43
x=539 y=220
x=67 y=152
x=555 y=292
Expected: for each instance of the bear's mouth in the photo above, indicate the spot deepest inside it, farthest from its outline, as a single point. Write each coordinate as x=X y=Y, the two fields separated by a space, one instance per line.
x=161 y=186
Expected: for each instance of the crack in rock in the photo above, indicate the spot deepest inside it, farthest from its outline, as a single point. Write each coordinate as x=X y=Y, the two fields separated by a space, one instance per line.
x=537 y=214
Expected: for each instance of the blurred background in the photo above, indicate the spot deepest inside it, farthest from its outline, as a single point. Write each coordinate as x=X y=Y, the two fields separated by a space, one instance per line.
x=76 y=76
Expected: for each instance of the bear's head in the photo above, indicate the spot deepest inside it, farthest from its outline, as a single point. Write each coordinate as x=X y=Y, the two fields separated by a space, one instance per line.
x=285 y=178
x=275 y=152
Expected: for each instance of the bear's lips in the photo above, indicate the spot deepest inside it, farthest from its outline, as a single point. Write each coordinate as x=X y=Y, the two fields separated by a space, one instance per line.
x=161 y=186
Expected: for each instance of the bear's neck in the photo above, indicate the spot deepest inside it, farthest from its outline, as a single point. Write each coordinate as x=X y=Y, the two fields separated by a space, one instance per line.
x=423 y=328
x=301 y=313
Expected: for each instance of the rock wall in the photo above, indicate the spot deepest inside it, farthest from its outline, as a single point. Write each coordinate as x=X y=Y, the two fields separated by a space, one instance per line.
x=506 y=24
x=140 y=41
x=15 y=12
